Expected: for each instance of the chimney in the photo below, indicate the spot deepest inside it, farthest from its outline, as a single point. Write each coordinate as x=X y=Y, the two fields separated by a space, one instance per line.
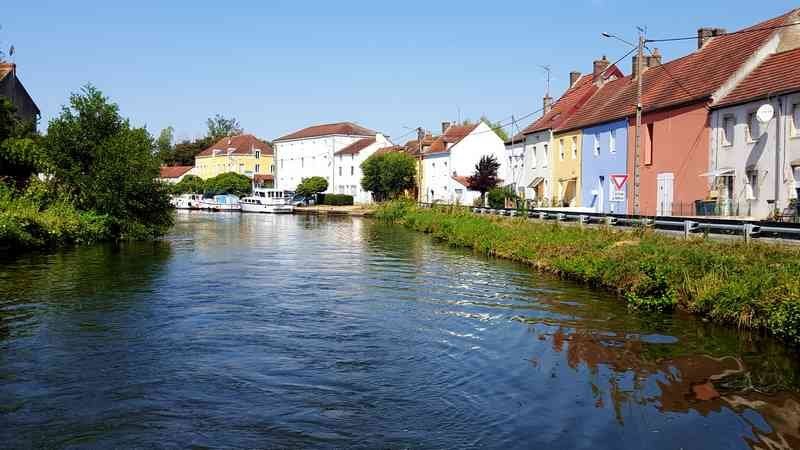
x=705 y=34
x=573 y=77
x=599 y=66
x=445 y=126
x=547 y=104
x=653 y=60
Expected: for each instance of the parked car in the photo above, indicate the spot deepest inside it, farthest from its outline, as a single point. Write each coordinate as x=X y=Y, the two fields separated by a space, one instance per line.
x=302 y=200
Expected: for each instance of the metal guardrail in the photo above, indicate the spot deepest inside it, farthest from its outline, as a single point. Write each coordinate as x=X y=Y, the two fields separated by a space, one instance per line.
x=748 y=230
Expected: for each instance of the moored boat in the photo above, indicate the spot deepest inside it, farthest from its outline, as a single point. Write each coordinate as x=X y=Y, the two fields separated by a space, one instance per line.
x=221 y=202
x=186 y=201
x=268 y=201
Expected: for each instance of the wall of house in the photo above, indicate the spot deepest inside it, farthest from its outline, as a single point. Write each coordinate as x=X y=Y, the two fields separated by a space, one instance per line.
x=303 y=158
x=482 y=141
x=210 y=166
x=436 y=178
x=538 y=157
x=348 y=174
x=674 y=141
x=597 y=166
x=566 y=166
x=755 y=155
x=515 y=158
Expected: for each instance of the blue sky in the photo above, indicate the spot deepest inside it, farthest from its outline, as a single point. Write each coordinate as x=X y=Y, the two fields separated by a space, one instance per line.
x=282 y=65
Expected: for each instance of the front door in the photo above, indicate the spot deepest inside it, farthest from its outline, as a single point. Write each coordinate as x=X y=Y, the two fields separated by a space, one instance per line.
x=600 y=195
x=664 y=187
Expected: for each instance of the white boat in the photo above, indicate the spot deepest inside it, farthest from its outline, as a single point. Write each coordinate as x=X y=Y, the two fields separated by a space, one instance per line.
x=268 y=201
x=186 y=201
x=222 y=202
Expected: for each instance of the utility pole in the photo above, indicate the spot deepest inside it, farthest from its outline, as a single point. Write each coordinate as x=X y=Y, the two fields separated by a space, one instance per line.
x=638 y=151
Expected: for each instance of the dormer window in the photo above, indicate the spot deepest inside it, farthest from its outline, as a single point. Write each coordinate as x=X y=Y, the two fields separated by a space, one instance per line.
x=258 y=153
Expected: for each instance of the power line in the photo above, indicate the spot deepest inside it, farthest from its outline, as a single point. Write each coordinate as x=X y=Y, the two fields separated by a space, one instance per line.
x=664 y=68
x=751 y=30
x=614 y=63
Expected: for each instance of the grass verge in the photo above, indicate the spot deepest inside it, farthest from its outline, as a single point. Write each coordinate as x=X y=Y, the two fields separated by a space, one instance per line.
x=753 y=285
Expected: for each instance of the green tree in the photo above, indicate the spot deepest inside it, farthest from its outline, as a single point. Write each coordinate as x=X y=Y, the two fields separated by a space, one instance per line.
x=20 y=153
x=220 y=126
x=183 y=152
x=190 y=184
x=229 y=182
x=496 y=126
x=388 y=175
x=498 y=195
x=312 y=186
x=164 y=146
x=485 y=176
x=96 y=159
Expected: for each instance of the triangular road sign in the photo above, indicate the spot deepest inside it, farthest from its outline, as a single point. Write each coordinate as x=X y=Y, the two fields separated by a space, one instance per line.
x=619 y=181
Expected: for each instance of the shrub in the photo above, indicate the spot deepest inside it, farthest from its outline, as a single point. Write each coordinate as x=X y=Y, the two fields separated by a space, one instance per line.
x=335 y=199
x=498 y=197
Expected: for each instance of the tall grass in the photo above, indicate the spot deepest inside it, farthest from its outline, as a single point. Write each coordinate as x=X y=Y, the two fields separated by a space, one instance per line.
x=748 y=285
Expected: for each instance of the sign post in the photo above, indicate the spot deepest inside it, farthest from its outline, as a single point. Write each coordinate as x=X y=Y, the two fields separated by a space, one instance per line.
x=617 y=193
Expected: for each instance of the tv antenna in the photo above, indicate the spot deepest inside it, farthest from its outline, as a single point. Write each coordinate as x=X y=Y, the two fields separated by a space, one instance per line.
x=547 y=86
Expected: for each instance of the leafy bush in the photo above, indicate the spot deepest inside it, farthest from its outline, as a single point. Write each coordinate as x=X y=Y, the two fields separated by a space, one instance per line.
x=190 y=184
x=498 y=196
x=388 y=175
x=229 y=183
x=335 y=199
x=312 y=186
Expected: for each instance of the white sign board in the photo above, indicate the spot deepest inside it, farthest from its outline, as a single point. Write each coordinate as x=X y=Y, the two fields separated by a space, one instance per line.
x=617 y=191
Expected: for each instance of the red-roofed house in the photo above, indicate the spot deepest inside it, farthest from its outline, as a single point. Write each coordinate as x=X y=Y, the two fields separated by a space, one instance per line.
x=174 y=174
x=755 y=162
x=310 y=152
x=347 y=166
x=453 y=156
x=244 y=154
x=676 y=99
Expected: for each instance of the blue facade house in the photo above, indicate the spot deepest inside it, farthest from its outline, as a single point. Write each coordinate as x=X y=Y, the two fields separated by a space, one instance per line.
x=604 y=167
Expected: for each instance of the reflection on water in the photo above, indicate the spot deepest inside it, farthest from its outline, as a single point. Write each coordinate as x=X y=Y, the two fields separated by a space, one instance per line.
x=269 y=331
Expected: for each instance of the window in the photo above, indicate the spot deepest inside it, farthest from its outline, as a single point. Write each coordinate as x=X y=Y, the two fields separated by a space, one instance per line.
x=533 y=157
x=281 y=164
x=258 y=154
x=728 y=123
x=596 y=148
x=753 y=127
x=340 y=170
x=574 y=147
x=546 y=155
x=257 y=168
x=648 y=148
x=272 y=168
x=796 y=120
x=241 y=168
x=561 y=149
x=612 y=141
x=352 y=170
x=302 y=162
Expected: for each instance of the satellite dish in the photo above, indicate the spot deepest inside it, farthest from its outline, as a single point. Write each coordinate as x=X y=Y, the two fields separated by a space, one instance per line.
x=765 y=113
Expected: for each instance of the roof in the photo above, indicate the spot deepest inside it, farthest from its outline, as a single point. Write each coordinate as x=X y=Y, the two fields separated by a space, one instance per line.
x=357 y=146
x=412 y=147
x=694 y=77
x=243 y=144
x=572 y=99
x=452 y=135
x=345 y=128
x=777 y=74
x=393 y=148
x=5 y=69
x=173 y=171
x=260 y=178
x=464 y=181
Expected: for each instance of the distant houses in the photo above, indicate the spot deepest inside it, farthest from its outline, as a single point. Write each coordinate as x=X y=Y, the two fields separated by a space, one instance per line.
x=11 y=88
x=347 y=172
x=174 y=174
x=243 y=154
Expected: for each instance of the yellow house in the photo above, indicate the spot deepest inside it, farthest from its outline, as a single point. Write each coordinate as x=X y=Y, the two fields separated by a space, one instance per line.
x=565 y=163
x=244 y=154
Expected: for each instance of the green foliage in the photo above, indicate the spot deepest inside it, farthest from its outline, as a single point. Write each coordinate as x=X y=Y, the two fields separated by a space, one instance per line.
x=164 y=143
x=485 y=176
x=388 y=175
x=20 y=153
x=335 y=199
x=189 y=184
x=230 y=183
x=755 y=286
x=498 y=196
x=496 y=126
x=312 y=186
x=220 y=127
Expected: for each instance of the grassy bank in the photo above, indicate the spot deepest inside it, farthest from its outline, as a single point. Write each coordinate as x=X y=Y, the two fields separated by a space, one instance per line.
x=752 y=286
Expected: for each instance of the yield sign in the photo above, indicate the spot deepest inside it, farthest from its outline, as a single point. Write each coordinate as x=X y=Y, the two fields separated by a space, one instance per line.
x=619 y=181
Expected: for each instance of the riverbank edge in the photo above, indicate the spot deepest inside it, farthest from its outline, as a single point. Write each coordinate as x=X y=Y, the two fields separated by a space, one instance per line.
x=753 y=286
x=357 y=211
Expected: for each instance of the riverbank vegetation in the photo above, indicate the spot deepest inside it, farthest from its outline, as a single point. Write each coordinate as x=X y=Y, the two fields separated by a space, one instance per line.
x=749 y=285
x=91 y=177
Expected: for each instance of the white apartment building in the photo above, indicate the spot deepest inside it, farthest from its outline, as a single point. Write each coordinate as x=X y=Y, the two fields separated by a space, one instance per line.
x=347 y=166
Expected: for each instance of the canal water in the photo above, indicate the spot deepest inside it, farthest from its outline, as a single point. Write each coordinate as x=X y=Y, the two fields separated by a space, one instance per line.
x=260 y=331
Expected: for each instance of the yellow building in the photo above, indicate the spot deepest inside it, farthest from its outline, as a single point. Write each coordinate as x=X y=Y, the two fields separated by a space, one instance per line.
x=244 y=154
x=565 y=163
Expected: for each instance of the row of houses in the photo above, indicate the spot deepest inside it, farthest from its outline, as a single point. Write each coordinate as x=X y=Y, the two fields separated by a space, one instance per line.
x=705 y=149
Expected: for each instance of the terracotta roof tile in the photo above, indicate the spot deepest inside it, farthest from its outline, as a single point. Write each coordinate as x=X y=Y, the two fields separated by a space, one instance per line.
x=464 y=181
x=243 y=144
x=344 y=128
x=391 y=149
x=173 y=171
x=778 y=74
x=690 y=78
x=357 y=146
x=572 y=99
x=260 y=178
x=452 y=135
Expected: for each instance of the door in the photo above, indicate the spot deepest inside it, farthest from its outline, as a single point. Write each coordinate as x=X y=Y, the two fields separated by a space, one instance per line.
x=664 y=187
x=600 y=208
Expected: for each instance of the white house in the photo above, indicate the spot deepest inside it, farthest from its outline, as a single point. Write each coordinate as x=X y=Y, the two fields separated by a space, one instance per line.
x=310 y=152
x=754 y=164
x=347 y=166
x=174 y=174
x=452 y=157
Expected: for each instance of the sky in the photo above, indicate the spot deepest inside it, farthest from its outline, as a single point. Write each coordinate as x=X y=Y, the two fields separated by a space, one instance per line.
x=279 y=66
